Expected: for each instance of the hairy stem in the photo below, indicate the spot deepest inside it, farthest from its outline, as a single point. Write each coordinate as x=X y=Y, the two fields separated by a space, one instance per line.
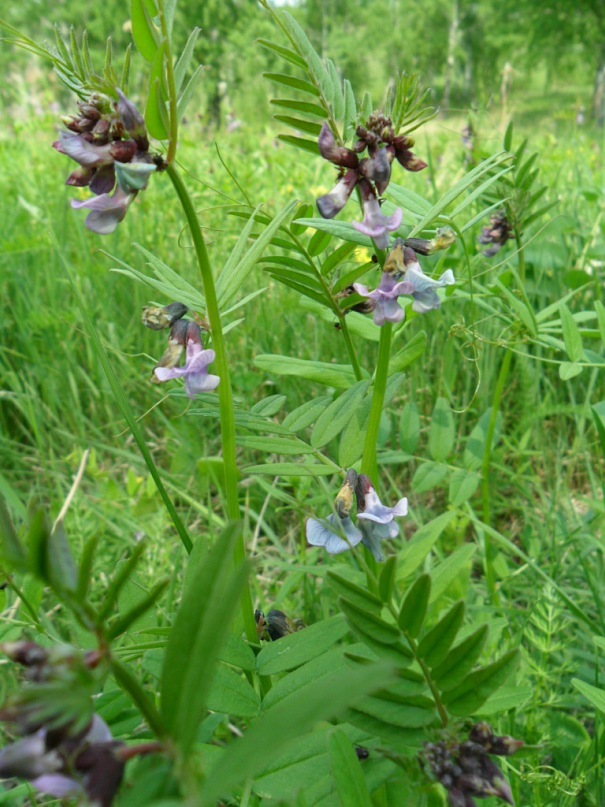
x=224 y=389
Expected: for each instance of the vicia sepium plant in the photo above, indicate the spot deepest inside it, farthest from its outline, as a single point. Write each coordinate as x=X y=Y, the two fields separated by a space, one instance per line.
x=394 y=661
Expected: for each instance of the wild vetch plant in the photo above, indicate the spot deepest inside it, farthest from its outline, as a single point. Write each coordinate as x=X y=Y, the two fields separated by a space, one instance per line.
x=397 y=670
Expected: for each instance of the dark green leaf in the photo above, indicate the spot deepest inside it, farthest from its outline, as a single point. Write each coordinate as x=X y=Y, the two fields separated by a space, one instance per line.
x=386 y=579
x=301 y=106
x=301 y=143
x=463 y=485
x=296 y=649
x=268 y=406
x=354 y=593
x=300 y=125
x=349 y=781
x=340 y=376
x=331 y=422
x=291 y=81
x=318 y=243
x=210 y=598
x=232 y=694
x=428 y=476
x=286 y=53
x=413 y=609
x=477 y=687
x=571 y=335
x=460 y=660
x=433 y=647
x=306 y=414
x=369 y=623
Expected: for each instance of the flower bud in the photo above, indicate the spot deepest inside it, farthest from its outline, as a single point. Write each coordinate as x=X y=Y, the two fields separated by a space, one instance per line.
x=343 y=502
x=330 y=150
x=159 y=318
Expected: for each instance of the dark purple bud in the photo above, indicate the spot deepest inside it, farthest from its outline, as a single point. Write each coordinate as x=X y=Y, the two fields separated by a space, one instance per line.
x=360 y=146
x=133 y=121
x=330 y=150
x=71 y=122
x=277 y=625
x=377 y=169
x=362 y=753
x=89 y=111
x=100 y=130
x=332 y=203
x=123 y=150
x=28 y=654
x=179 y=332
x=81 y=177
x=362 y=487
x=409 y=161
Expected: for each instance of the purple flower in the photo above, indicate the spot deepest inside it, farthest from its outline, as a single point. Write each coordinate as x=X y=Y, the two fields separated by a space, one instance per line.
x=374 y=224
x=375 y=519
x=195 y=371
x=332 y=203
x=331 y=151
x=107 y=211
x=422 y=288
x=387 y=309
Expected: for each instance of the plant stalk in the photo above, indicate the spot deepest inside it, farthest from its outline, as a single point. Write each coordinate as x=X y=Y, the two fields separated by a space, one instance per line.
x=369 y=464
x=227 y=415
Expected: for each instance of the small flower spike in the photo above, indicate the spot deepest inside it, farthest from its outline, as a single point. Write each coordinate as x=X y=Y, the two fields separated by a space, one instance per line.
x=110 y=143
x=337 y=533
x=375 y=519
x=195 y=371
x=465 y=769
x=497 y=233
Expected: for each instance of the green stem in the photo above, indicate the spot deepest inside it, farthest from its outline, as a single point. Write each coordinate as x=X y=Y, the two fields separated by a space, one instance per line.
x=350 y=348
x=485 y=486
x=369 y=464
x=173 y=134
x=127 y=681
x=227 y=417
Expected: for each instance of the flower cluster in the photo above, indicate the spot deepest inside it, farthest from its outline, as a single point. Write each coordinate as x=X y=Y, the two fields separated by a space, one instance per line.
x=109 y=142
x=497 y=233
x=58 y=755
x=184 y=335
x=371 y=174
x=375 y=521
x=465 y=769
x=403 y=275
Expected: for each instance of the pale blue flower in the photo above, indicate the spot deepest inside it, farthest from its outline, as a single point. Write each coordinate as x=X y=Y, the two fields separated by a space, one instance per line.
x=335 y=534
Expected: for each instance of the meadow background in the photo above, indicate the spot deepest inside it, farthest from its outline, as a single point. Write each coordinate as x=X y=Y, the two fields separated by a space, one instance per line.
x=546 y=469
